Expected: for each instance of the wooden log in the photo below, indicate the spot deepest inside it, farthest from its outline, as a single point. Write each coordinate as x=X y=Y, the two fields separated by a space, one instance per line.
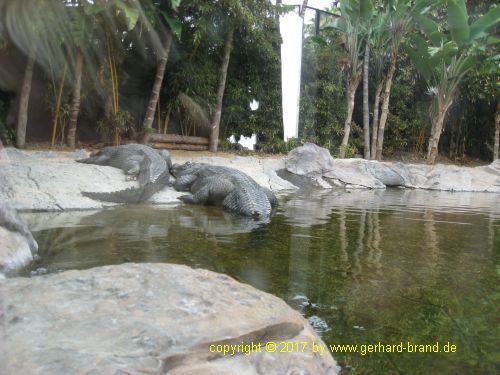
x=180 y=146
x=175 y=138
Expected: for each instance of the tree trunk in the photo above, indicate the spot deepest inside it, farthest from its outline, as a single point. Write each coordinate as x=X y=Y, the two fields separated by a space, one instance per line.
x=155 y=92
x=497 y=133
x=436 y=134
x=385 y=108
x=214 y=134
x=366 y=108
x=75 y=101
x=22 y=119
x=303 y=8
x=376 y=108
x=352 y=85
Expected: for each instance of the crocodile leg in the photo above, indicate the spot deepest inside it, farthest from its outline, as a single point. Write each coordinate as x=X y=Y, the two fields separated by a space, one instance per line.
x=270 y=196
x=183 y=183
x=132 y=166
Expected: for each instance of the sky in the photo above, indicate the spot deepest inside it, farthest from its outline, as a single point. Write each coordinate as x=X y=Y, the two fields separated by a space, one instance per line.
x=320 y=4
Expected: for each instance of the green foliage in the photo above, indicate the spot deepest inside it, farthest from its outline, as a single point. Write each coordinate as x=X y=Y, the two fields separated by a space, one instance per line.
x=349 y=151
x=322 y=104
x=279 y=146
x=253 y=73
x=121 y=121
x=453 y=41
x=408 y=112
x=7 y=134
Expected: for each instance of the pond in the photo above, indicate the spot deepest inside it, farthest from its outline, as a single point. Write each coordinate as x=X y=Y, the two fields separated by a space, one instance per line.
x=365 y=267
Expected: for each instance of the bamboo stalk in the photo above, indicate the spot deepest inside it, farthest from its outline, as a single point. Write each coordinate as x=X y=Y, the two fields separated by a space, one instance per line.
x=116 y=92
x=167 y=120
x=158 y=117
x=58 y=104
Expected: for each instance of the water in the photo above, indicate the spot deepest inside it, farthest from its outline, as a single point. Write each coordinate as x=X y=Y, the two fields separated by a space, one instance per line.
x=364 y=267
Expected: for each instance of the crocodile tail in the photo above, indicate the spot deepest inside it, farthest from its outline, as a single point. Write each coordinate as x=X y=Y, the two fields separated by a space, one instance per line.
x=130 y=195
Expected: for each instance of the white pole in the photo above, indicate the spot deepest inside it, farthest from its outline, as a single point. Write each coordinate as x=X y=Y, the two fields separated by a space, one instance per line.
x=291 y=25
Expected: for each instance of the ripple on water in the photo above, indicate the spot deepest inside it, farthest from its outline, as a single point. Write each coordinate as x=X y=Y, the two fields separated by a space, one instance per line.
x=363 y=267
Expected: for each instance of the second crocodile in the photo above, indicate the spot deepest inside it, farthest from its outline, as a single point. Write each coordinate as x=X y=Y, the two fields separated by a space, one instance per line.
x=233 y=190
x=148 y=166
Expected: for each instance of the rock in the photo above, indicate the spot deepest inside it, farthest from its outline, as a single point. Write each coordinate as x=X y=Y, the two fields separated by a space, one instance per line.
x=17 y=245
x=148 y=318
x=316 y=164
x=309 y=160
x=15 y=252
x=80 y=154
x=353 y=173
x=387 y=174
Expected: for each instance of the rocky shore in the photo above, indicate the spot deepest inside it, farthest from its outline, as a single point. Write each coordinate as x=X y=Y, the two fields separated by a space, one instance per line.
x=53 y=181
x=162 y=318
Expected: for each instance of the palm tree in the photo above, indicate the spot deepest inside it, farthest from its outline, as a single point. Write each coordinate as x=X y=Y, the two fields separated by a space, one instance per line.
x=444 y=59
x=214 y=134
x=399 y=21
x=165 y=19
x=379 y=41
x=366 y=105
x=76 y=98
x=356 y=15
x=497 y=133
x=22 y=119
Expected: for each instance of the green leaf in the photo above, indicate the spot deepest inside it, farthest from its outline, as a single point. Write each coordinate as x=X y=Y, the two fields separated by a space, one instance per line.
x=174 y=24
x=420 y=57
x=490 y=19
x=444 y=52
x=468 y=63
x=175 y=4
x=365 y=9
x=131 y=14
x=492 y=40
x=430 y=28
x=457 y=20
x=319 y=41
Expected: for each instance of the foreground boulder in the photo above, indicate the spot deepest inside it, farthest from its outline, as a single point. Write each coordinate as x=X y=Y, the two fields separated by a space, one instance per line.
x=148 y=318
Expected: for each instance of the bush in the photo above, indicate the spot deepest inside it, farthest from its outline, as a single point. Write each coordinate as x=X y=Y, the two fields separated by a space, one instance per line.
x=121 y=121
x=7 y=134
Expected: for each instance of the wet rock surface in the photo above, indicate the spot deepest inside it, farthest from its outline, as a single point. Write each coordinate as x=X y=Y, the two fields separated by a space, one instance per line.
x=148 y=318
x=15 y=252
x=17 y=245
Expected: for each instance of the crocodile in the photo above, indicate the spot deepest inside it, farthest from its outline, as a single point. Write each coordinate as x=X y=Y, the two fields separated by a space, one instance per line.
x=223 y=186
x=142 y=163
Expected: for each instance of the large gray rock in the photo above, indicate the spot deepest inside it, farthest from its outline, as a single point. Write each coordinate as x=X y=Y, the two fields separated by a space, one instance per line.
x=387 y=173
x=353 y=173
x=316 y=164
x=148 y=318
x=309 y=160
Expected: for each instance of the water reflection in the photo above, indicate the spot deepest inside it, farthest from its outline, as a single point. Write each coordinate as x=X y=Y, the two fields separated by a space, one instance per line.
x=364 y=267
